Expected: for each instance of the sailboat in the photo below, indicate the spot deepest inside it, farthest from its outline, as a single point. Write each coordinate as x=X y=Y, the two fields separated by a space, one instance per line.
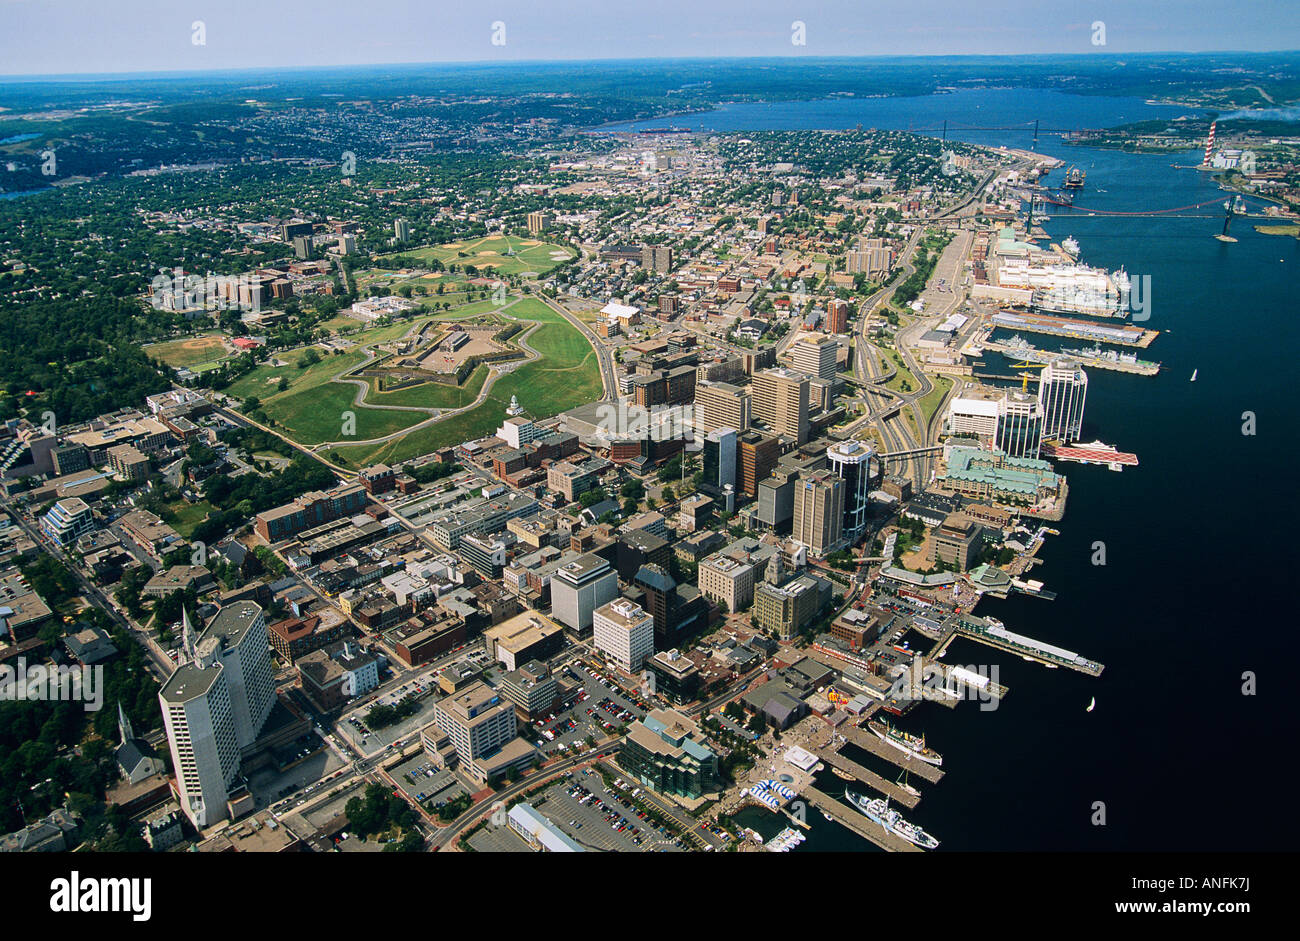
x=1194 y=372
x=902 y=782
x=1092 y=704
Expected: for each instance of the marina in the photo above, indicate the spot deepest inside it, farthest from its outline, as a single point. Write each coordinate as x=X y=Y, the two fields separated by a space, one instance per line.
x=785 y=841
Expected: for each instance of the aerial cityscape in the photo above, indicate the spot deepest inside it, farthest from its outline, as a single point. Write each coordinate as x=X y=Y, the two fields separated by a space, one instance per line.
x=817 y=449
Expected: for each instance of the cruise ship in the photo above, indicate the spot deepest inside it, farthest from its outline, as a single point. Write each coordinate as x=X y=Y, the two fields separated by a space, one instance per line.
x=1067 y=288
x=877 y=809
x=911 y=744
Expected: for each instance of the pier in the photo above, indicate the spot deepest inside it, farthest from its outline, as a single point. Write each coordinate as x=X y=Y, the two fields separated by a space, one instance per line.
x=896 y=756
x=857 y=822
x=1033 y=354
x=1125 y=334
x=993 y=634
x=869 y=778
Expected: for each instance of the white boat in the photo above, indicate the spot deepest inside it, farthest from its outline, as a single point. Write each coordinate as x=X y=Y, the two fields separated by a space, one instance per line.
x=1194 y=372
x=879 y=811
x=1092 y=704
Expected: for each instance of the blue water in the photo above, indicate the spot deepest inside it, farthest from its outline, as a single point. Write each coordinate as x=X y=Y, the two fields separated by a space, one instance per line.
x=1195 y=589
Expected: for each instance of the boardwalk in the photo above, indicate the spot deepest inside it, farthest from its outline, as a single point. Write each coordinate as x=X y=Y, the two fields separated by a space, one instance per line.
x=868 y=742
x=870 y=778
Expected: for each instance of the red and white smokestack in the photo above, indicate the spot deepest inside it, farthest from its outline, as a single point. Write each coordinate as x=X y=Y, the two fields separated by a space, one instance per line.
x=1209 y=144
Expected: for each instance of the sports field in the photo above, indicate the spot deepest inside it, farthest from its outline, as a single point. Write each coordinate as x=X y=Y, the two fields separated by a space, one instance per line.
x=189 y=352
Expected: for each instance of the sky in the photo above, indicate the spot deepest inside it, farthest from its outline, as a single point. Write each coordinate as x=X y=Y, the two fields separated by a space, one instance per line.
x=55 y=37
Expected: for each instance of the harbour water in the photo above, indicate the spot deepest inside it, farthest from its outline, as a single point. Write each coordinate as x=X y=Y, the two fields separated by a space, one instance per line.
x=1193 y=594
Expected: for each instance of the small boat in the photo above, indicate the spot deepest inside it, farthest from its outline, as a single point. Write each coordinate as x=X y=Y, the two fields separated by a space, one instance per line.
x=1194 y=372
x=841 y=773
x=1092 y=704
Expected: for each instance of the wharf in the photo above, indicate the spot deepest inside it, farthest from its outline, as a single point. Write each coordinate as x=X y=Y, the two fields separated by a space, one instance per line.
x=896 y=756
x=869 y=778
x=1034 y=355
x=1125 y=334
x=857 y=822
x=993 y=634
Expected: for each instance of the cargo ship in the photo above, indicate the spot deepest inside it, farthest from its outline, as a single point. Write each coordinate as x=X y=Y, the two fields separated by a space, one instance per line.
x=1074 y=178
x=911 y=744
x=877 y=810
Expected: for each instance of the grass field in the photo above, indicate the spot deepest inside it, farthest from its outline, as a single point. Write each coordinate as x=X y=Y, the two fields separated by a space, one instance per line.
x=903 y=380
x=189 y=352
x=311 y=409
x=931 y=400
x=431 y=394
x=489 y=254
x=568 y=374
x=184 y=517
x=261 y=382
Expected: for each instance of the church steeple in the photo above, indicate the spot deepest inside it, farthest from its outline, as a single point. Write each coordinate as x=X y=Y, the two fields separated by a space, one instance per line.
x=124 y=730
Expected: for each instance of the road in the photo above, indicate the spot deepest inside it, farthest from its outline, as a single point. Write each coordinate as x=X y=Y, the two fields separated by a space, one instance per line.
x=447 y=836
x=162 y=665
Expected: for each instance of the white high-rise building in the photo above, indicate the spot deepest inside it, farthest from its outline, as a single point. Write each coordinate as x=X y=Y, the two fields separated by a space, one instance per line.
x=201 y=732
x=215 y=705
x=625 y=633
x=1062 y=390
x=244 y=649
x=580 y=587
x=974 y=416
x=815 y=355
x=517 y=431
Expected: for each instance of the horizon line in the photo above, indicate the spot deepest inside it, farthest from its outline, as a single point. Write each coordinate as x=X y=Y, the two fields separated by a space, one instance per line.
x=36 y=77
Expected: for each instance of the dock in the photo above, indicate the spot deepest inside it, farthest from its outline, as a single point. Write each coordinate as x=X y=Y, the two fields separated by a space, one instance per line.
x=896 y=756
x=859 y=823
x=1124 y=334
x=1031 y=354
x=869 y=778
x=993 y=634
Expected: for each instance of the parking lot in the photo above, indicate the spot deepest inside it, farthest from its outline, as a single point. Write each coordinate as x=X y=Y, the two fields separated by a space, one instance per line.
x=369 y=741
x=600 y=709
x=600 y=818
x=431 y=786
